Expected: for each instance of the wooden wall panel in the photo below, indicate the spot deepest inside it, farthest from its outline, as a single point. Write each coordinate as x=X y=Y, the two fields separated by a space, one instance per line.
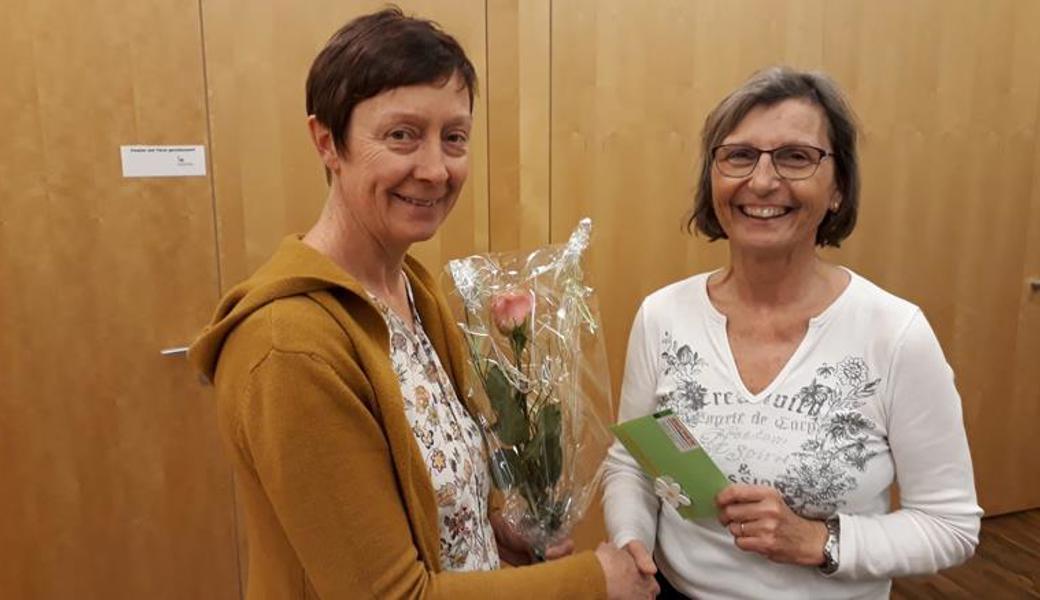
x=268 y=179
x=519 y=154
x=947 y=95
x=1026 y=403
x=631 y=85
x=114 y=482
x=950 y=130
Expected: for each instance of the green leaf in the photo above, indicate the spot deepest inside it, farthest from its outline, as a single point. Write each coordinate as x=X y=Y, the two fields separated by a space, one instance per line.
x=543 y=456
x=511 y=424
x=552 y=423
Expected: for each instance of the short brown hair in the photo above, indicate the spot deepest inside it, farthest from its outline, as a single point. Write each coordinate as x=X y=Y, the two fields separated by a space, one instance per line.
x=768 y=88
x=378 y=52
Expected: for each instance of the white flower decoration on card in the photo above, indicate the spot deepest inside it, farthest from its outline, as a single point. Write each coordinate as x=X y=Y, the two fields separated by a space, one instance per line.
x=669 y=490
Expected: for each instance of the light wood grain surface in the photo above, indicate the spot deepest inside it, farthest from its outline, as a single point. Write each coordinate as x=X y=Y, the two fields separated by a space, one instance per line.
x=114 y=481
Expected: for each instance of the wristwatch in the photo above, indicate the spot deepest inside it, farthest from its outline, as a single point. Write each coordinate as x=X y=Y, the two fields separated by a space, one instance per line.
x=830 y=548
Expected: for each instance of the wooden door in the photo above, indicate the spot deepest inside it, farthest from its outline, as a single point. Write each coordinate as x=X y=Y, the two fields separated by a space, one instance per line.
x=114 y=483
x=1027 y=348
x=950 y=132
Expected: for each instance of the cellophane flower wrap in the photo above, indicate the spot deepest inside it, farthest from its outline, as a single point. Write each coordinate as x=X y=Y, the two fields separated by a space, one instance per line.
x=536 y=354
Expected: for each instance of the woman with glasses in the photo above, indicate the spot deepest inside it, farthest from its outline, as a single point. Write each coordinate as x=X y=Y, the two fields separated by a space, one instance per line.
x=812 y=389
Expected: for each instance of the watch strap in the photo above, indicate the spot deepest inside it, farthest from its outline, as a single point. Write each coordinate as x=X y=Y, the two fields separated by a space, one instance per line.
x=831 y=547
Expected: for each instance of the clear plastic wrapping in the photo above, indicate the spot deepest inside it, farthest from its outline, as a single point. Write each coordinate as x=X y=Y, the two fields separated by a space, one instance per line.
x=536 y=353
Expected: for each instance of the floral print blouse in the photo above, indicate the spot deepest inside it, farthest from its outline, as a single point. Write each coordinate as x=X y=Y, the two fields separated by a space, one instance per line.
x=450 y=442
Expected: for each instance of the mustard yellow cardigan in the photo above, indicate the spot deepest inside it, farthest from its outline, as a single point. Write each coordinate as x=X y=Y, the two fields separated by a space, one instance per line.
x=337 y=500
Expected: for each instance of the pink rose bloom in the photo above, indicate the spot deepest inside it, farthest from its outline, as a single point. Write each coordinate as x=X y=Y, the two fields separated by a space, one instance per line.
x=510 y=310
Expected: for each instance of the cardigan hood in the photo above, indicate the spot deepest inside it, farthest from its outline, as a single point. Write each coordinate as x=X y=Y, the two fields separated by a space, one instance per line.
x=295 y=269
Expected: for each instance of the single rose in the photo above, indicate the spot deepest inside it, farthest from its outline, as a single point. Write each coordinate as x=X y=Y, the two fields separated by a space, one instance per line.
x=511 y=309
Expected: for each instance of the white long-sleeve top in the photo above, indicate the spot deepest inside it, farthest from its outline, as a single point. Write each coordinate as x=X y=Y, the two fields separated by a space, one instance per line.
x=866 y=399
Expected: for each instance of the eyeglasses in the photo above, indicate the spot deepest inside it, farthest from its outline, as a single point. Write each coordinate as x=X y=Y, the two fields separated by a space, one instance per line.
x=789 y=162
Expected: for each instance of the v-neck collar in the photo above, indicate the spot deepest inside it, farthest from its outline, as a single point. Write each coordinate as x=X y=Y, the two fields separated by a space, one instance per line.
x=720 y=337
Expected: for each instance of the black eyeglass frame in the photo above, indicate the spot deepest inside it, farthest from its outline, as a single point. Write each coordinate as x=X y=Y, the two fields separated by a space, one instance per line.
x=816 y=167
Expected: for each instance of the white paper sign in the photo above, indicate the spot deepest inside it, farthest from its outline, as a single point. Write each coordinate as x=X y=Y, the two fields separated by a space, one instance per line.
x=163 y=161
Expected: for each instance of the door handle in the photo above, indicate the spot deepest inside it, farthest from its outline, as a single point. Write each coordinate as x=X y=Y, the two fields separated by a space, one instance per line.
x=175 y=351
x=1034 y=285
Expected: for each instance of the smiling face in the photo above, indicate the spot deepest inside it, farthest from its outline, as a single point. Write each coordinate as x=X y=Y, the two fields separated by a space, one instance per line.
x=763 y=212
x=405 y=161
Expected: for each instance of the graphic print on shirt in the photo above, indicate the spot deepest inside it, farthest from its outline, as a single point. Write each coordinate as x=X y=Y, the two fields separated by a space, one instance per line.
x=683 y=365
x=818 y=437
x=824 y=469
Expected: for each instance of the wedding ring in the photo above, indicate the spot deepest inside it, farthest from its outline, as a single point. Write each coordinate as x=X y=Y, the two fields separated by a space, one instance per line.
x=741 y=529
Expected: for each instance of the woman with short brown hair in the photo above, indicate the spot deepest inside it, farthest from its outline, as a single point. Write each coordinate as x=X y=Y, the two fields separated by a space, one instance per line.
x=361 y=470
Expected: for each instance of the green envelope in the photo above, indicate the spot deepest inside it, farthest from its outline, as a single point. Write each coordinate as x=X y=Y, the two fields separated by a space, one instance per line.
x=666 y=449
